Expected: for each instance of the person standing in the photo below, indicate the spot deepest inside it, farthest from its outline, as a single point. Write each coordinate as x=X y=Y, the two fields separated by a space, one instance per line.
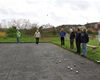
x=78 y=40
x=18 y=33
x=37 y=36
x=84 y=41
x=62 y=35
x=72 y=36
x=99 y=35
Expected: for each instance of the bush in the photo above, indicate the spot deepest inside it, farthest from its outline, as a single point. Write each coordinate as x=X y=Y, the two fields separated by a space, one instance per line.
x=2 y=34
x=11 y=35
x=11 y=32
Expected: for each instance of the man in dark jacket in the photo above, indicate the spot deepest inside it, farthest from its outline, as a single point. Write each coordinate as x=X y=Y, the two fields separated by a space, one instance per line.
x=78 y=40
x=84 y=41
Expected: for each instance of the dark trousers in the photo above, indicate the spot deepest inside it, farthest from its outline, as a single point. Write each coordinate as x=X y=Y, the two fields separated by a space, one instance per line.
x=62 y=40
x=78 y=47
x=37 y=40
x=18 y=39
x=71 y=43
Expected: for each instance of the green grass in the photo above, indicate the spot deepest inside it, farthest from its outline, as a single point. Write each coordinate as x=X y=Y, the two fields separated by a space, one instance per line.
x=94 y=55
x=56 y=40
x=90 y=54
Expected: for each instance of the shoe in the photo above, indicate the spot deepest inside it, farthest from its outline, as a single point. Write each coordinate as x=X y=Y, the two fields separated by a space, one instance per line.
x=83 y=55
x=76 y=52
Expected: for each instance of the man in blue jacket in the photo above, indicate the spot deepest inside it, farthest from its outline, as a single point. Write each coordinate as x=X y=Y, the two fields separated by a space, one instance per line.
x=62 y=35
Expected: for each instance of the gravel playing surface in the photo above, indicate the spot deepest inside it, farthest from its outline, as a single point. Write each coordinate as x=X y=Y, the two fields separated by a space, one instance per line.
x=45 y=61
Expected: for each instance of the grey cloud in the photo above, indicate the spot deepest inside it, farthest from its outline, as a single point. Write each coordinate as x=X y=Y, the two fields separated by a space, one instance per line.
x=81 y=5
x=9 y=11
x=74 y=4
x=13 y=12
x=59 y=3
x=97 y=5
x=3 y=10
x=83 y=17
x=54 y=16
x=32 y=2
x=58 y=18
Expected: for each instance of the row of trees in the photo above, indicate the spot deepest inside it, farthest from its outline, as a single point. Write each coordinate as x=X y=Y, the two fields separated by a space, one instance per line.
x=47 y=30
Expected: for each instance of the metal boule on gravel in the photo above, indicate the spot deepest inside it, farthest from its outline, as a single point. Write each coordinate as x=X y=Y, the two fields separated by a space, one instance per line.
x=98 y=61
x=65 y=59
x=60 y=61
x=71 y=69
x=68 y=67
x=76 y=72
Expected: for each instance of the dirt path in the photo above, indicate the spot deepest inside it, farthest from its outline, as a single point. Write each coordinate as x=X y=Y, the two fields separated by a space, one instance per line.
x=45 y=61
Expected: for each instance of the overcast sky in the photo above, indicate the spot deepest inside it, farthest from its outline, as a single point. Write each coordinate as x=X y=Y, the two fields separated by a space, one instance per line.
x=54 y=12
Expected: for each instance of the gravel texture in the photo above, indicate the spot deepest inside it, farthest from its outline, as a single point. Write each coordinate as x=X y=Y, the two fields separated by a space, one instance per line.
x=45 y=61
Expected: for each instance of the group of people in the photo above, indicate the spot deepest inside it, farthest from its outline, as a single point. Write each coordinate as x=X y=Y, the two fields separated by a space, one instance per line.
x=37 y=35
x=81 y=37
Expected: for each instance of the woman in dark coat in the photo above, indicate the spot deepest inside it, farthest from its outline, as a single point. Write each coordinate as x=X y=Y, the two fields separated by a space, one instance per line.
x=72 y=36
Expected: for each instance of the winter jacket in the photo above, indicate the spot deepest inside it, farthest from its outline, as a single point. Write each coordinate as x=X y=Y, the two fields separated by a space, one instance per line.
x=84 y=38
x=78 y=37
x=37 y=34
x=18 y=34
x=62 y=34
x=72 y=35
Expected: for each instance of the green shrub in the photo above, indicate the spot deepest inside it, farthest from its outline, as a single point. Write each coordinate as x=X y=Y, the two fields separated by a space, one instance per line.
x=11 y=32
x=11 y=35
